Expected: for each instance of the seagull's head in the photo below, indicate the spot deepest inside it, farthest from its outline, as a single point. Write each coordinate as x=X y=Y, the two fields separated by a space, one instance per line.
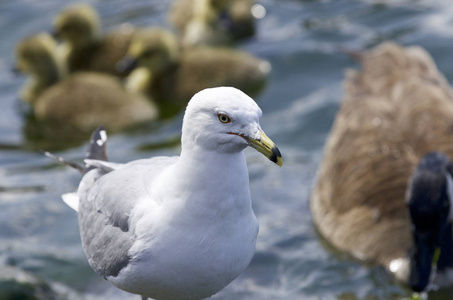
x=226 y=120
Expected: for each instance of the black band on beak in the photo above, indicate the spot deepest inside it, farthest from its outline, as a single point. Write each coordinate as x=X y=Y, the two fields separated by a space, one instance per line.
x=275 y=155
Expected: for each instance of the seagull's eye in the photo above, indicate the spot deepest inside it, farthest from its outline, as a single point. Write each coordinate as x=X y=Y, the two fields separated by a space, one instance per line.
x=224 y=118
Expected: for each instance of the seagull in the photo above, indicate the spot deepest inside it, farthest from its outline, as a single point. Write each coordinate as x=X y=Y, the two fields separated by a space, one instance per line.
x=177 y=227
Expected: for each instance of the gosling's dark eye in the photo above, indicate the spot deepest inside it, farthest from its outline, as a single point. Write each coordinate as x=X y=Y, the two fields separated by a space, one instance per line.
x=224 y=118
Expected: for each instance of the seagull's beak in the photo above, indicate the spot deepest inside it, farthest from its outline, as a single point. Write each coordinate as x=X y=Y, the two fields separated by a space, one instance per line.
x=266 y=146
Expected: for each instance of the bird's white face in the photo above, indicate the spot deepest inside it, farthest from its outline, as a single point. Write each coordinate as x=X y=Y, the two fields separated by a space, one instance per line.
x=226 y=120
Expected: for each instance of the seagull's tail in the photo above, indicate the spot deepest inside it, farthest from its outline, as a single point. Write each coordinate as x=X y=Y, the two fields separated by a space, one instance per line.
x=64 y=161
x=95 y=154
x=96 y=149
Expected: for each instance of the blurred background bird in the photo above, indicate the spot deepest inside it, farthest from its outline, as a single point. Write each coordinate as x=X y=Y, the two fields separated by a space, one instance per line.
x=84 y=47
x=163 y=71
x=81 y=101
x=395 y=111
x=213 y=22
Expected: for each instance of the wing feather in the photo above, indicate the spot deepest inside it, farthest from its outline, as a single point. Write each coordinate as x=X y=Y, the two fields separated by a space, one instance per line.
x=106 y=203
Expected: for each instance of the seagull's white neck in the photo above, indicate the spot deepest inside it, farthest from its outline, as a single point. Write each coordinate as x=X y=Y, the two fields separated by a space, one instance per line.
x=223 y=166
x=223 y=177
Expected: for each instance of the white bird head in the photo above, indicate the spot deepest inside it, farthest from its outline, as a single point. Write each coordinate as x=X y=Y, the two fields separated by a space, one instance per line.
x=226 y=120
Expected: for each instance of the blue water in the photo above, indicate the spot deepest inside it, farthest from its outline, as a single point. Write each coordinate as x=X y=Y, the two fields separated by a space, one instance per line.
x=302 y=41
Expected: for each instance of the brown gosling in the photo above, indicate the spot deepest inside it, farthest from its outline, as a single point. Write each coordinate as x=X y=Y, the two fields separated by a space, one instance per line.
x=212 y=22
x=83 y=47
x=84 y=100
x=170 y=75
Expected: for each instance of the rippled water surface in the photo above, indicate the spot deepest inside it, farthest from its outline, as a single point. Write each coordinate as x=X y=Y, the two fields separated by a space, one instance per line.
x=302 y=40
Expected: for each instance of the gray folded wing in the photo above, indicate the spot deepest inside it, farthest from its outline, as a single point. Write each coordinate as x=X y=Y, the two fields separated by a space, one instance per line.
x=106 y=202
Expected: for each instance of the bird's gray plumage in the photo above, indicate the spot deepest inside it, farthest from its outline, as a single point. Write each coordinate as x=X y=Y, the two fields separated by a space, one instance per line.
x=104 y=220
x=105 y=237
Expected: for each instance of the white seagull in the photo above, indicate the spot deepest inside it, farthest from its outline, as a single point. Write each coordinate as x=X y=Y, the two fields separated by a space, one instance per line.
x=176 y=227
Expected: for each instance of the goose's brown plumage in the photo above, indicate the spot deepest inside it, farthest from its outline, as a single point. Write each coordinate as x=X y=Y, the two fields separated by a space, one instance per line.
x=395 y=110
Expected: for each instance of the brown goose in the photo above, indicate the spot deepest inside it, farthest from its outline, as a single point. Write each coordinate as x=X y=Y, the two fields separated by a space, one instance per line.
x=84 y=100
x=383 y=192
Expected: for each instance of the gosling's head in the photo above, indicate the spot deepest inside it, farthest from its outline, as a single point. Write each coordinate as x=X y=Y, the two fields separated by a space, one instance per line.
x=153 y=48
x=218 y=5
x=35 y=55
x=213 y=12
x=77 y=24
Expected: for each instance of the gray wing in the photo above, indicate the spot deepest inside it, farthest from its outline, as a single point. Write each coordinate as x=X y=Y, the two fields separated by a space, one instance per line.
x=106 y=202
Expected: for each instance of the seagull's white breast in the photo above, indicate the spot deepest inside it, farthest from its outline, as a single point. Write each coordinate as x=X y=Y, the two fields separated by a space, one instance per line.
x=196 y=241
